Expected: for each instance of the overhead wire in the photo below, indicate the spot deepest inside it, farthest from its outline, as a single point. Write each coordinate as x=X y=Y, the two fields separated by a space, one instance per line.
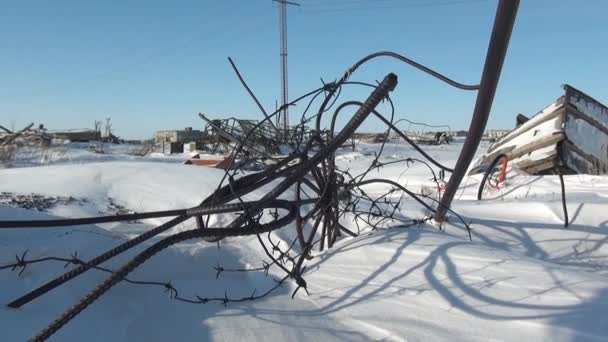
x=339 y=7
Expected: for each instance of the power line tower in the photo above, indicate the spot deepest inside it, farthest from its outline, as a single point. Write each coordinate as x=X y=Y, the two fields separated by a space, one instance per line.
x=283 y=116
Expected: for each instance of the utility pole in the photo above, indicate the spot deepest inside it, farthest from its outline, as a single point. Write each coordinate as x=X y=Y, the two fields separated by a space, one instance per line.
x=283 y=116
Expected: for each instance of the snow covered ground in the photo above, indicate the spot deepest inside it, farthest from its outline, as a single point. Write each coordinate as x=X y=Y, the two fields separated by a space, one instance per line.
x=524 y=277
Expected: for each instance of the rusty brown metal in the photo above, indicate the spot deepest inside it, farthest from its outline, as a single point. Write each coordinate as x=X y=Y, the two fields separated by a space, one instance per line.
x=497 y=49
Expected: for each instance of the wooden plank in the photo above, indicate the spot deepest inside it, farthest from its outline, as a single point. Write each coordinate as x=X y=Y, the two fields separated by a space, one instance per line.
x=528 y=126
x=538 y=144
x=537 y=166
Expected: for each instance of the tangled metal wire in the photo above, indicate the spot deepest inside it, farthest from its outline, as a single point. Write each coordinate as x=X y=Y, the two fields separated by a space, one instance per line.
x=325 y=196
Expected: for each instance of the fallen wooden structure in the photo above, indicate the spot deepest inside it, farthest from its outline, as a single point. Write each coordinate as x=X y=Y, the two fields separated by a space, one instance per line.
x=223 y=163
x=438 y=138
x=569 y=136
x=28 y=136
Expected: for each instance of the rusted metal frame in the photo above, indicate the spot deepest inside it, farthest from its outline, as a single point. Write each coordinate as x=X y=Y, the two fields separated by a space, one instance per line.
x=499 y=42
x=226 y=135
x=324 y=230
x=299 y=221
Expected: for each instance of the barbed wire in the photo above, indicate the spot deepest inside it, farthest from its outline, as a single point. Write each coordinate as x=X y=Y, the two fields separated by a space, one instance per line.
x=325 y=195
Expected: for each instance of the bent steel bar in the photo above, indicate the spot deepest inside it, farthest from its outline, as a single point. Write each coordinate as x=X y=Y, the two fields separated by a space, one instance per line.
x=136 y=241
x=497 y=49
x=387 y=85
x=412 y=63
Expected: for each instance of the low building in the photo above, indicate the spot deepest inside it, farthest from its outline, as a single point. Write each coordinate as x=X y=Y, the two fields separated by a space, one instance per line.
x=495 y=134
x=76 y=135
x=178 y=136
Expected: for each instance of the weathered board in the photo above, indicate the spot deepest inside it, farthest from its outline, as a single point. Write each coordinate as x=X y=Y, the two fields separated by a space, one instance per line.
x=570 y=134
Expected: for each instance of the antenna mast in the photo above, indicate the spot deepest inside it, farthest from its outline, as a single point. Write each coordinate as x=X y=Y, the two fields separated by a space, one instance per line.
x=283 y=116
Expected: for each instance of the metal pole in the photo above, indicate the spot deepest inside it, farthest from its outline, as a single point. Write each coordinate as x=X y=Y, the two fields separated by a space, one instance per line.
x=283 y=117
x=497 y=49
x=283 y=53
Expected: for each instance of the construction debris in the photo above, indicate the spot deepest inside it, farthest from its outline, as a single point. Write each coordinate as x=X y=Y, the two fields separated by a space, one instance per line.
x=221 y=163
x=257 y=138
x=569 y=136
x=27 y=136
x=437 y=138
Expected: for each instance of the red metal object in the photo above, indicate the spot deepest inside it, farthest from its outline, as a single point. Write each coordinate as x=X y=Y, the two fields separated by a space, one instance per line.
x=502 y=174
x=215 y=163
x=503 y=171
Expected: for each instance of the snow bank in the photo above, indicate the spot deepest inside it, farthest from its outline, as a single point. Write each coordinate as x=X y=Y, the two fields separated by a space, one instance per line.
x=523 y=277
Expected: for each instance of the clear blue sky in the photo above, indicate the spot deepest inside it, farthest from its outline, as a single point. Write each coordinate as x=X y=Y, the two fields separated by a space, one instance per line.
x=152 y=64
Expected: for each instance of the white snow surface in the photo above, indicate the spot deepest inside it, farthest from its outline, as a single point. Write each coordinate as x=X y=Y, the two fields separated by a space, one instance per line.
x=524 y=277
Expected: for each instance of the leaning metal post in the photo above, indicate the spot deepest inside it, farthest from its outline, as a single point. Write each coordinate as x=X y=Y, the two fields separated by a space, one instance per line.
x=497 y=49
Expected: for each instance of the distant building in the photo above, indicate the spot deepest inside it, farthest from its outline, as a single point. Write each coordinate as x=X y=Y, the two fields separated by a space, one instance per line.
x=178 y=136
x=460 y=133
x=495 y=134
x=76 y=135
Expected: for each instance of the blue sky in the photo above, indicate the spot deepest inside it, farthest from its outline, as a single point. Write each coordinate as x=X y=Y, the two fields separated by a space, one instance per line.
x=153 y=64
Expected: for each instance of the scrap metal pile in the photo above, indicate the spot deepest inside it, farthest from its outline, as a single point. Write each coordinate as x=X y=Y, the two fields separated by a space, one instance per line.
x=12 y=141
x=263 y=139
x=220 y=135
x=324 y=196
x=25 y=137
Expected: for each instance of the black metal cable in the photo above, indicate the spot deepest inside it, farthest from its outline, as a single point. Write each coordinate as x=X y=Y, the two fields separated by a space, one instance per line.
x=395 y=184
x=95 y=261
x=397 y=56
x=563 y=188
x=123 y=247
x=416 y=65
x=89 y=220
x=401 y=134
x=487 y=173
x=394 y=127
x=504 y=20
x=237 y=149
x=255 y=99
